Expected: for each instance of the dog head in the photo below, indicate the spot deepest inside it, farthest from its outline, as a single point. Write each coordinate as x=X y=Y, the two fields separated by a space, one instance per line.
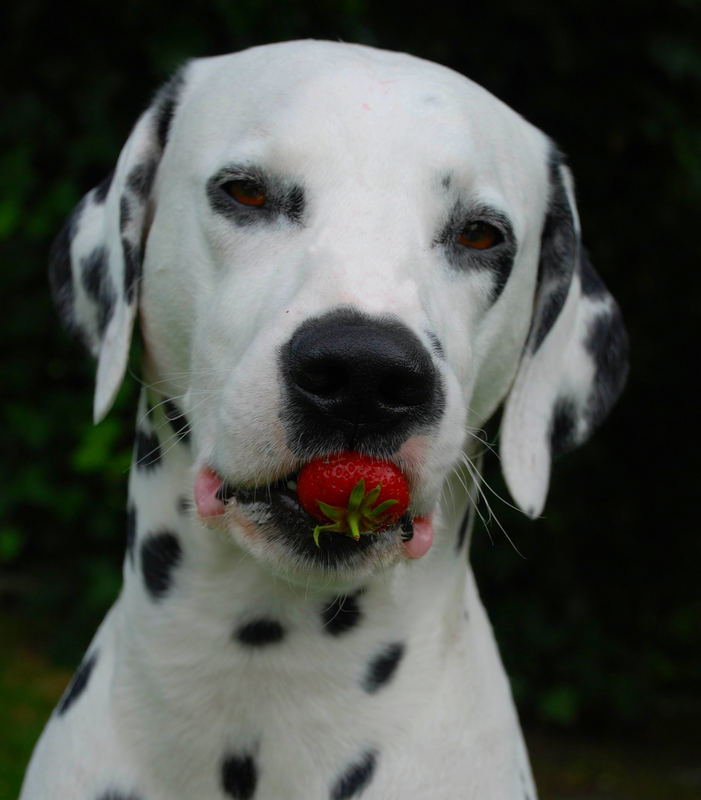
x=338 y=248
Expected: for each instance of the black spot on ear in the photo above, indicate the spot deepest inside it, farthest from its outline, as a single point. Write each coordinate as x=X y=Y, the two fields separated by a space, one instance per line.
x=592 y=285
x=382 y=667
x=132 y=268
x=160 y=555
x=148 y=450
x=563 y=427
x=166 y=104
x=558 y=252
x=93 y=267
x=355 y=778
x=239 y=776
x=607 y=342
x=60 y=272
x=178 y=420
x=464 y=525
x=140 y=179
x=341 y=615
x=103 y=189
x=549 y=309
x=98 y=285
x=79 y=683
x=446 y=181
x=61 y=275
x=131 y=531
x=260 y=632
x=125 y=215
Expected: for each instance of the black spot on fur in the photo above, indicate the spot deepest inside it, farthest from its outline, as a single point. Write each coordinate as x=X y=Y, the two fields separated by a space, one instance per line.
x=464 y=525
x=113 y=794
x=342 y=614
x=592 y=285
x=61 y=274
x=563 y=427
x=98 y=285
x=382 y=667
x=131 y=531
x=125 y=215
x=178 y=420
x=140 y=179
x=558 y=252
x=294 y=203
x=148 y=450
x=607 y=342
x=184 y=505
x=103 y=189
x=93 y=268
x=355 y=778
x=160 y=555
x=239 y=776
x=78 y=685
x=548 y=310
x=132 y=268
x=166 y=104
x=436 y=344
x=260 y=632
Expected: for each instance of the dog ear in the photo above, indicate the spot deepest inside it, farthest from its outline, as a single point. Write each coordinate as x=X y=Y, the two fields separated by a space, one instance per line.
x=95 y=261
x=574 y=363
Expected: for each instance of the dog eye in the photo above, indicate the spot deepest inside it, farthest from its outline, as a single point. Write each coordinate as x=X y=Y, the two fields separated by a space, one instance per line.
x=480 y=236
x=247 y=192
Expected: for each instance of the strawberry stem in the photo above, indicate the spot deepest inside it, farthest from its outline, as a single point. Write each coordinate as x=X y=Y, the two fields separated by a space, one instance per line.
x=359 y=516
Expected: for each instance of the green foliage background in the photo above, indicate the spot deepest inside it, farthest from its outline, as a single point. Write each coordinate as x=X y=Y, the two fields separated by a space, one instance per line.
x=599 y=622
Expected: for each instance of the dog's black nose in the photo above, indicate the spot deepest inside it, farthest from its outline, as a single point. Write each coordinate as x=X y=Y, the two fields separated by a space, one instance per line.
x=353 y=379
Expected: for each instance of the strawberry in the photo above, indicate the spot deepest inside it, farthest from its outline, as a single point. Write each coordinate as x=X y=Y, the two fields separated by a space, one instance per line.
x=352 y=493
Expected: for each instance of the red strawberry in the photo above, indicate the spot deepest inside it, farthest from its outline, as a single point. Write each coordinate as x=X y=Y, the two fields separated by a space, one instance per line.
x=333 y=490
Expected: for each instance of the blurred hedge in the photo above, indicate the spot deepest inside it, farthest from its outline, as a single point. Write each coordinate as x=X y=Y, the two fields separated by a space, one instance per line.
x=600 y=622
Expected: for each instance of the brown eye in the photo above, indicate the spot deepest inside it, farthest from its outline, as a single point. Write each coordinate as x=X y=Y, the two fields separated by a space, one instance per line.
x=246 y=192
x=480 y=236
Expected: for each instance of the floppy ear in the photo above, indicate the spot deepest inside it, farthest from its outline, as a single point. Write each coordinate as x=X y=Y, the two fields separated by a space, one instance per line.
x=95 y=261
x=574 y=363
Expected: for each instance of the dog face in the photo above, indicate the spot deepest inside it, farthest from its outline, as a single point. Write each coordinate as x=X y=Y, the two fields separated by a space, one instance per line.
x=337 y=248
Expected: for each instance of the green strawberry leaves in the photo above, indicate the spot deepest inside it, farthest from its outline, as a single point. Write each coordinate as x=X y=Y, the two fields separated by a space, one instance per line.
x=359 y=517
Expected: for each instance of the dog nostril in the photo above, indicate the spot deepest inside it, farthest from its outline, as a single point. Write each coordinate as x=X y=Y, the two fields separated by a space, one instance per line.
x=323 y=378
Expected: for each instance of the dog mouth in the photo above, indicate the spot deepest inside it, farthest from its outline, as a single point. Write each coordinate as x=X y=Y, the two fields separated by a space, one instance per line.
x=273 y=510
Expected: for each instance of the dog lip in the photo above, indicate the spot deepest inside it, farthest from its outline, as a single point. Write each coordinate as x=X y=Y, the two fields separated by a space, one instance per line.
x=292 y=524
x=246 y=495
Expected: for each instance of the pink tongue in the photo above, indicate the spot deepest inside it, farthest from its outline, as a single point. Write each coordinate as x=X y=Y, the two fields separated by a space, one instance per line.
x=207 y=485
x=420 y=543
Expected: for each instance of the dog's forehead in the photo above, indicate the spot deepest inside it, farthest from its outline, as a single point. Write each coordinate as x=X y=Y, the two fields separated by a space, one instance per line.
x=303 y=98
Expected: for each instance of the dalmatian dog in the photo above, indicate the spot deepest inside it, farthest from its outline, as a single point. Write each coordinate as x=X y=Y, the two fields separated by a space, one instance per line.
x=332 y=248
